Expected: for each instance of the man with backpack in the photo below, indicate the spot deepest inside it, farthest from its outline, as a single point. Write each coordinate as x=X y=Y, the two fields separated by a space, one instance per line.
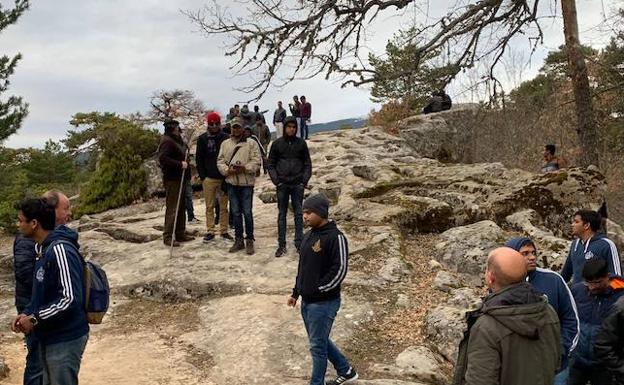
x=56 y=313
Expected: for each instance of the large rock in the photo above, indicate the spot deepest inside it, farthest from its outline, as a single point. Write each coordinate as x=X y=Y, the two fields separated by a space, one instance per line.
x=154 y=181
x=4 y=369
x=465 y=248
x=444 y=327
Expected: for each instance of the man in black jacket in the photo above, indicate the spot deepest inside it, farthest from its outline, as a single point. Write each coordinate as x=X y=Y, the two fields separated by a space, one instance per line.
x=609 y=345
x=173 y=163
x=322 y=268
x=290 y=169
x=208 y=145
x=24 y=257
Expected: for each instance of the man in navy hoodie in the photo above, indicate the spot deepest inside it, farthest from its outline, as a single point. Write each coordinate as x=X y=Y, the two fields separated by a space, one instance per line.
x=56 y=312
x=589 y=243
x=322 y=268
x=559 y=297
x=594 y=298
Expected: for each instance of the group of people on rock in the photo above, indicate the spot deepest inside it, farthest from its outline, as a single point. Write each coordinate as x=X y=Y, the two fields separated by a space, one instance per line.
x=537 y=326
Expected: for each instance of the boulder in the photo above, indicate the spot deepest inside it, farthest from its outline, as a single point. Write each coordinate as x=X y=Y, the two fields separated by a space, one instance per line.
x=444 y=325
x=444 y=281
x=420 y=363
x=465 y=248
x=154 y=181
x=4 y=369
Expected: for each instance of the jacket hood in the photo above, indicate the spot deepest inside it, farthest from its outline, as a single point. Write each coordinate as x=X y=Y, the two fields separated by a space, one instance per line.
x=62 y=233
x=290 y=119
x=517 y=243
x=520 y=308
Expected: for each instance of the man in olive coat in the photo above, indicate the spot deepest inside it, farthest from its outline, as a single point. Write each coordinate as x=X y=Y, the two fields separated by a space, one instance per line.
x=513 y=339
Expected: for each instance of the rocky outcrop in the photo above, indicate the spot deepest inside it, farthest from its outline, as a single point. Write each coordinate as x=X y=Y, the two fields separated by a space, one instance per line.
x=4 y=369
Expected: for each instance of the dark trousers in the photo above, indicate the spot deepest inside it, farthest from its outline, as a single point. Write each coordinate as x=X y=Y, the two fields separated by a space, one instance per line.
x=33 y=372
x=294 y=194
x=595 y=375
x=188 y=201
x=304 y=128
x=172 y=189
x=241 y=206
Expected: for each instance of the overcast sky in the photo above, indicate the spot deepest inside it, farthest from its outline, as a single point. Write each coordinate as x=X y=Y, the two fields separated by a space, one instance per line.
x=95 y=55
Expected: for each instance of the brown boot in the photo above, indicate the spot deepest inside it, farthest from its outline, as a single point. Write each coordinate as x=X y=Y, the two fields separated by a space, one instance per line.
x=249 y=247
x=168 y=243
x=185 y=238
x=239 y=244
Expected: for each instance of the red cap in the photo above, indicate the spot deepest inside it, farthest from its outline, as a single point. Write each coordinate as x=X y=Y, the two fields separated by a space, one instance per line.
x=212 y=118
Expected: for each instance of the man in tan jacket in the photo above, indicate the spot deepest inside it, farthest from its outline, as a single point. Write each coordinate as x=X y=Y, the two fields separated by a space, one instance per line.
x=239 y=161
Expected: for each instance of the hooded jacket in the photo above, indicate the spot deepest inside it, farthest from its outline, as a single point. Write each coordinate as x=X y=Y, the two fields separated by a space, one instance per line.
x=171 y=154
x=289 y=161
x=552 y=285
x=593 y=310
x=323 y=264
x=207 y=152
x=513 y=339
x=598 y=245
x=58 y=291
x=24 y=257
x=243 y=153
x=609 y=346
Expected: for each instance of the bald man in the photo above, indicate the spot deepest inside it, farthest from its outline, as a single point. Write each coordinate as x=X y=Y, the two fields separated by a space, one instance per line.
x=513 y=338
x=24 y=256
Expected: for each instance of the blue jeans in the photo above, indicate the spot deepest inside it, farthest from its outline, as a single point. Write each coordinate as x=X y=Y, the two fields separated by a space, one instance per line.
x=188 y=198
x=562 y=377
x=61 y=361
x=294 y=194
x=33 y=372
x=241 y=205
x=304 y=128
x=318 y=318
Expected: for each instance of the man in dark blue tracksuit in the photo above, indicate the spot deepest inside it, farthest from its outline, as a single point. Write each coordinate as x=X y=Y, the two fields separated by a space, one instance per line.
x=594 y=298
x=559 y=297
x=589 y=243
x=56 y=313
x=322 y=268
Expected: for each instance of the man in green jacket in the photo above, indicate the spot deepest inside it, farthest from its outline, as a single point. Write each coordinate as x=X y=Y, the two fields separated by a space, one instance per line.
x=513 y=339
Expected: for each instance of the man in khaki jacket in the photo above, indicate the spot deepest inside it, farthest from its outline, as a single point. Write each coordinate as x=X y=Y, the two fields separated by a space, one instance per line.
x=513 y=339
x=239 y=161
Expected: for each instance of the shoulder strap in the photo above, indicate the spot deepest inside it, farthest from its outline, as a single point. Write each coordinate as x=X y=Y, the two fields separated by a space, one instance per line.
x=234 y=153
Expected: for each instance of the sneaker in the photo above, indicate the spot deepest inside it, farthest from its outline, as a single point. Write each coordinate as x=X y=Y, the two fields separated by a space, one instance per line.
x=227 y=236
x=208 y=238
x=347 y=378
x=239 y=244
x=280 y=251
x=249 y=247
x=194 y=221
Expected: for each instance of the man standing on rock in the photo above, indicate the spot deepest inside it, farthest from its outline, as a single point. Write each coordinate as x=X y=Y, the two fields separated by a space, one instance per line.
x=239 y=161
x=589 y=243
x=559 y=297
x=322 y=268
x=595 y=297
x=278 y=119
x=56 y=313
x=290 y=169
x=172 y=153
x=513 y=338
x=24 y=258
x=208 y=145
x=305 y=115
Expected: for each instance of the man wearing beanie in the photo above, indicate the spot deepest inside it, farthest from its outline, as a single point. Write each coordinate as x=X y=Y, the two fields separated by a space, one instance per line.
x=322 y=268
x=559 y=297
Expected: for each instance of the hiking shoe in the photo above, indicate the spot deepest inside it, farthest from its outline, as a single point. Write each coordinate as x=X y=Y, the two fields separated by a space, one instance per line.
x=168 y=243
x=227 y=236
x=249 y=247
x=239 y=244
x=185 y=238
x=208 y=238
x=347 y=378
x=194 y=221
x=280 y=251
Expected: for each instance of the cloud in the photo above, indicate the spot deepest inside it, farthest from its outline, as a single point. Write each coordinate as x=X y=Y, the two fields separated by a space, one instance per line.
x=111 y=55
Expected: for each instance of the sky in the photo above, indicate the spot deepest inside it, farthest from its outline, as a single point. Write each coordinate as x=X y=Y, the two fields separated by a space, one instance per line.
x=95 y=55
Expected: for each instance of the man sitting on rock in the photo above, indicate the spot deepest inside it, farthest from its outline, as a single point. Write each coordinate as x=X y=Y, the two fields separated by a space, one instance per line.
x=513 y=339
x=594 y=299
x=589 y=243
x=322 y=268
x=559 y=297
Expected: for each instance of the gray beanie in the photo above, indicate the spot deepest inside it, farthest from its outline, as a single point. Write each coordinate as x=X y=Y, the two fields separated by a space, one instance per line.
x=318 y=204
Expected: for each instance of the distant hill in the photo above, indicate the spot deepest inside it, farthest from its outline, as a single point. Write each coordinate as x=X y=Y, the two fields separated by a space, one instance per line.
x=337 y=124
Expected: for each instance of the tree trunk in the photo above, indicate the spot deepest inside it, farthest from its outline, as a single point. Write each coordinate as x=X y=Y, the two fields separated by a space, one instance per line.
x=586 y=123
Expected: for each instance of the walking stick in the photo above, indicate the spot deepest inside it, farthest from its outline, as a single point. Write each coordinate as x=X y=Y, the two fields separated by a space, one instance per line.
x=175 y=220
